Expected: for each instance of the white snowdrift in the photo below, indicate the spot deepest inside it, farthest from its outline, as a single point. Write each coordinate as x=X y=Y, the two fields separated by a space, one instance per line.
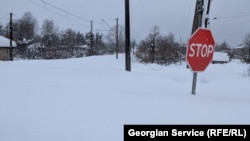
x=90 y=99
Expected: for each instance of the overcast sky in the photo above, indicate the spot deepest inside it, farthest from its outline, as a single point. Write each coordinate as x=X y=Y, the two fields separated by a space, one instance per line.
x=176 y=16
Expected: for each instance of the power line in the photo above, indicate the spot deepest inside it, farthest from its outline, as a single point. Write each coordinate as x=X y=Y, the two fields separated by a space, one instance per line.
x=65 y=11
x=4 y=16
x=70 y=14
x=235 y=16
x=106 y=23
x=66 y=14
x=42 y=6
x=66 y=17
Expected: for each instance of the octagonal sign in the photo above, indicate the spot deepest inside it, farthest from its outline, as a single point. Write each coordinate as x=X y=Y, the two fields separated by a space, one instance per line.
x=200 y=50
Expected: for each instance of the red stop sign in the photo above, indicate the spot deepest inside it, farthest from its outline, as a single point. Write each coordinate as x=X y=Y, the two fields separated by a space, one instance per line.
x=200 y=50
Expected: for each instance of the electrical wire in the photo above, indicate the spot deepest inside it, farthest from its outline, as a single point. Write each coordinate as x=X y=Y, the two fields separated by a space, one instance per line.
x=56 y=13
x=66 y=12
x=235 y=16
x=106 y=23
x=42 y=6
x=4 y=16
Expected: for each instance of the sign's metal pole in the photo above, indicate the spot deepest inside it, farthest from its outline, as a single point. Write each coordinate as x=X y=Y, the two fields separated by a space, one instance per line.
x=197 y=23
x=194 y=83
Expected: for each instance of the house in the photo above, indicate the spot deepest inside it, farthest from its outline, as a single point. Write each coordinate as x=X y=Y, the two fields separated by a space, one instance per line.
x=4 y=48
x=220 y=58
x=241 y=52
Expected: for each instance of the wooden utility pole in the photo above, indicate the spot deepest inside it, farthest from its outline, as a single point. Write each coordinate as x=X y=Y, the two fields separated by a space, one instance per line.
x=91 y=39
x=207 y=13
x=127 y=37
x=11 y=38
x=197 y=22
x=180 y=46
x=153 y=48
x=248 y=53
x=117 y=41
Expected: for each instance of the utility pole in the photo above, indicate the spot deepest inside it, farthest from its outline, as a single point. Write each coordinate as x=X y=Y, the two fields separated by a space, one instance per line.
x=207 y=13
x=11 y=38
x=91 y=26
x=91 y=38
x=248 y=52
x=153 y=48
x=117 y=42
x=180 y=51
x=127 y=37
x=197 y=22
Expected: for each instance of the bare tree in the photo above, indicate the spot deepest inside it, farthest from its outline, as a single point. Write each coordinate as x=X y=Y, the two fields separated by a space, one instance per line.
x=48 y=31
x=167 y=52
x=1 y=29
x=247 y=47
x=156 y=48
x=223 y=47
x=49 y=38
x=155 y=32
x=28 y=26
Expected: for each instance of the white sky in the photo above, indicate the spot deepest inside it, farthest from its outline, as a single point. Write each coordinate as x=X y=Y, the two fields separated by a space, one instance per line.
x=174 y=16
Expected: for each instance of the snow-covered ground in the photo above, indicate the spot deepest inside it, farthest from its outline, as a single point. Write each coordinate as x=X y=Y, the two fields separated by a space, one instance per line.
x=90 y=99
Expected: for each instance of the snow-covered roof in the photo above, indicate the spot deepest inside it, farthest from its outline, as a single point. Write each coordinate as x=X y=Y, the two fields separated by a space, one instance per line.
x=84 y=46
x=5 y=42
x=239 y=46
x=220 y=56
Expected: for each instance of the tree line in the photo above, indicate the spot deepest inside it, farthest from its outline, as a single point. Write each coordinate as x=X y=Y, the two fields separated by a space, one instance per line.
x=52 y=43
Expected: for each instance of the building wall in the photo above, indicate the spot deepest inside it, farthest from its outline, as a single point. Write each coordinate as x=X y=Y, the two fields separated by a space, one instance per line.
x=4 y=54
